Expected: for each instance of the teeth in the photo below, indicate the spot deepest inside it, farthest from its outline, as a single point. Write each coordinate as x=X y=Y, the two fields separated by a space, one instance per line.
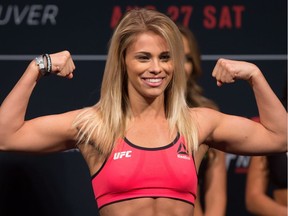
x=154 y=80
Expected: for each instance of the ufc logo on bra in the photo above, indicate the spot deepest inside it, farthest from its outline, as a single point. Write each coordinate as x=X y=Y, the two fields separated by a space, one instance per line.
x=119 y=155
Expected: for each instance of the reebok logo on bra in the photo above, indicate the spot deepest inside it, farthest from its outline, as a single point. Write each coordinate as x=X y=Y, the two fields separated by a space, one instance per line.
x=123 y=154
x=182 y=152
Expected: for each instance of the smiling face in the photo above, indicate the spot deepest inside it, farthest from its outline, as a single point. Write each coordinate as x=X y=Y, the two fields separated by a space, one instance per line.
x=149 y=66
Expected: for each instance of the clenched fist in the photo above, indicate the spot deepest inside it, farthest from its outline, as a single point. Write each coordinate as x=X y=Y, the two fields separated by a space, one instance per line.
x=62 y=64
x=227 y=71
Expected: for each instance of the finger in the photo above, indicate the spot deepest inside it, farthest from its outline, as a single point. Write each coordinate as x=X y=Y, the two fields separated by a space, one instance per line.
x=216 y=68
x=70 y=76
x=219 y=83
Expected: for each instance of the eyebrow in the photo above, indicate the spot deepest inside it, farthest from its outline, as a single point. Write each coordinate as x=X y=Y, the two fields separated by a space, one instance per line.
x=166 y=52
x=148 y=53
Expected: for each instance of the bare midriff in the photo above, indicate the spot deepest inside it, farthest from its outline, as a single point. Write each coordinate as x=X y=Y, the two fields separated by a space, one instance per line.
x=148 y=207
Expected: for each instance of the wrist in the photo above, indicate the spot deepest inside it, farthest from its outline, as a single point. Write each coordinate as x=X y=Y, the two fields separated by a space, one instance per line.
x=255 y=76
x=44 y=64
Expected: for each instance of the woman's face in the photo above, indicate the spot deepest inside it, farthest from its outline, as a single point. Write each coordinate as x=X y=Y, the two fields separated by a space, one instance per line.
x=188 y=61
x=149 y=66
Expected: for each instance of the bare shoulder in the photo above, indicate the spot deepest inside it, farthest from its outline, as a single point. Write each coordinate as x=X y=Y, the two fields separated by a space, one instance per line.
x=74 y=113
x=206 y=119
x=68 y=116
x=203 y=113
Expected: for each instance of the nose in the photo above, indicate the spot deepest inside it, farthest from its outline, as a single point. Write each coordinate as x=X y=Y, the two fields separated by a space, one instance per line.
x=155 y=67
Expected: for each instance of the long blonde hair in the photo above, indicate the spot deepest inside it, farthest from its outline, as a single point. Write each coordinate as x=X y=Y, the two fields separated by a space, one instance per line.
x=102 y=124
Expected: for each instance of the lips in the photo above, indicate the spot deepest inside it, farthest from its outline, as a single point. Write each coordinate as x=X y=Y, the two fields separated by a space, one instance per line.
x=153 y=81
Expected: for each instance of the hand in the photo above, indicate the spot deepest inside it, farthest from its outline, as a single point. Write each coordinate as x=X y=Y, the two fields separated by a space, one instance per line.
x=62 y=64
x=227 y=71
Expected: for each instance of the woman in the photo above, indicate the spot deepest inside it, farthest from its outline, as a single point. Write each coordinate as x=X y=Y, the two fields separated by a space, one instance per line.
x=266 y=185
x=212 y=171
x=263 y=177
x=140 y=139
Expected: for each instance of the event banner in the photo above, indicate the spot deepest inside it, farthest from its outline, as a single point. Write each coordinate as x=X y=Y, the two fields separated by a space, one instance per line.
x=243 y=30
x=84 y=27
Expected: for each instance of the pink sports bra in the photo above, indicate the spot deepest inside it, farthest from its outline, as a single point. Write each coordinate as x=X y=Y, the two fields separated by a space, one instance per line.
x=132 y=171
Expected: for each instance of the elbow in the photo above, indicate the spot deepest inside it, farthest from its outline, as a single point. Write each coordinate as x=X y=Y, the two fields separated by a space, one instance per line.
x=283 y=143
x=284 y=140
x=2 y=137
x=7 y=138
x=280 y=143
x=250 y=205
x=285 y=147
x=4 y=146
x=250 y=208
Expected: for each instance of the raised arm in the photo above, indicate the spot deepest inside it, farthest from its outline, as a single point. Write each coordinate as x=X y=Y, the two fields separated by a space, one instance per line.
x=241 y=135
x=43 y=133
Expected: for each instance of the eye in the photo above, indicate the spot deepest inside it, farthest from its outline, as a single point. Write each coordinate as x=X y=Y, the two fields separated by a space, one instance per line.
x=142 y=57
x=188 y=59
x=165 y=57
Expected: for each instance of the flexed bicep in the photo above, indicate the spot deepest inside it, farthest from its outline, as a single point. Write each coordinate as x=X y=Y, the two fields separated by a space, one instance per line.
x=15 y=132
x=43 y=134
x=240 y=135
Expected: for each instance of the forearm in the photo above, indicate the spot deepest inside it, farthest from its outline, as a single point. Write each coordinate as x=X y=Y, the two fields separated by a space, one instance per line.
x=215 y=204
x=218 y=207
x=198 y=211
x=264 y=205
x=271 y=111
x=216 y=179
x=273 y=115
x=13 y=108
x=257 y=200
